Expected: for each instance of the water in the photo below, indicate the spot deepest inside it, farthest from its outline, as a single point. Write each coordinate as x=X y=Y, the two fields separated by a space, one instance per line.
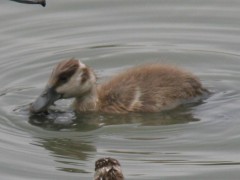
x=198 y=141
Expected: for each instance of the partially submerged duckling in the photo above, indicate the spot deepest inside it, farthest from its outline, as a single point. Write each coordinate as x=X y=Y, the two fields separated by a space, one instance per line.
x=42 y=2
x=108 y=169
x=146 y=88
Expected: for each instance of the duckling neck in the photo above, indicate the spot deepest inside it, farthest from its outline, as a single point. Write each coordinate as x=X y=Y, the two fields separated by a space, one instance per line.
x=87 y=102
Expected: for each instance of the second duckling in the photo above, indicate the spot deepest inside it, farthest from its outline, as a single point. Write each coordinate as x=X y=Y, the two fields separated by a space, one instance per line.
x=108 y=169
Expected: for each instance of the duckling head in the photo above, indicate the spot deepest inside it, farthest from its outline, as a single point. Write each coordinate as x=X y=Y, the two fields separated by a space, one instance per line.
x=70 y=78
x=108 y=169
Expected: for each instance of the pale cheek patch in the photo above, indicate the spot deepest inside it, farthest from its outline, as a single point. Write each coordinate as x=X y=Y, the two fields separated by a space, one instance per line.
x=79 y=78
x=71 y=88
x=81 y=65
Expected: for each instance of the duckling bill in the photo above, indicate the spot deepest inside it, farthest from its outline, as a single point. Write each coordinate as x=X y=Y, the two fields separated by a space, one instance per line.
x=42 y=2
x=146 y=88
x=47 y=98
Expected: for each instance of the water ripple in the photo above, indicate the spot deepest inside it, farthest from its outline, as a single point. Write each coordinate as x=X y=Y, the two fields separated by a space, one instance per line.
x=189 y=142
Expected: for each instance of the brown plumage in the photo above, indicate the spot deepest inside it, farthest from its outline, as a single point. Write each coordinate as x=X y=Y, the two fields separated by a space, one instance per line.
x=146 y=88
x=108 y=169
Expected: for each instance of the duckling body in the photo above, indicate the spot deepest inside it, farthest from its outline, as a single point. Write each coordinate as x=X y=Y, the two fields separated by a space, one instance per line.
x=146 y=88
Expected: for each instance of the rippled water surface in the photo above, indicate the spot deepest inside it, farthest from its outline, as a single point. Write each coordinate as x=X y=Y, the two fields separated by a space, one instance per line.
x=198 y=141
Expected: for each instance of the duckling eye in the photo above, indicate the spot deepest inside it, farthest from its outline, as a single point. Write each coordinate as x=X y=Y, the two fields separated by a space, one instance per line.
x=63 y=78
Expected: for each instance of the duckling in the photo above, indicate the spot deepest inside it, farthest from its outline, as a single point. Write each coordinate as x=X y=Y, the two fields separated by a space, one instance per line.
x=145 y=88
x=108 y=169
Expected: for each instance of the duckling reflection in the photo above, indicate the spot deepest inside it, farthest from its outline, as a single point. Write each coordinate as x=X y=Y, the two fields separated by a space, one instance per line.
x=68 y=147
x=66 y=151
x=41 y=2
x=147 y=88
x=56 y=121
x=108 y=169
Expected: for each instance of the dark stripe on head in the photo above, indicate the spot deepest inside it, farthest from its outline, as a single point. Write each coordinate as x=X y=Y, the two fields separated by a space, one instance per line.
x=65 y=70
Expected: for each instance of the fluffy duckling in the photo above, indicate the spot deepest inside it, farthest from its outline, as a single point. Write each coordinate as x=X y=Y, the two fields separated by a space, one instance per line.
x=146 y=88
x=108 y=169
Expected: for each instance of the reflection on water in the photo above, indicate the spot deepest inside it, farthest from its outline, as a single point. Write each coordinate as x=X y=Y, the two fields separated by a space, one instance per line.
x=57 y=120
x=69 y=151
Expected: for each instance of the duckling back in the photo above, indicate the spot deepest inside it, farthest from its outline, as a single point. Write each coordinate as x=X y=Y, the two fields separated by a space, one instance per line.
x=148 y=88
